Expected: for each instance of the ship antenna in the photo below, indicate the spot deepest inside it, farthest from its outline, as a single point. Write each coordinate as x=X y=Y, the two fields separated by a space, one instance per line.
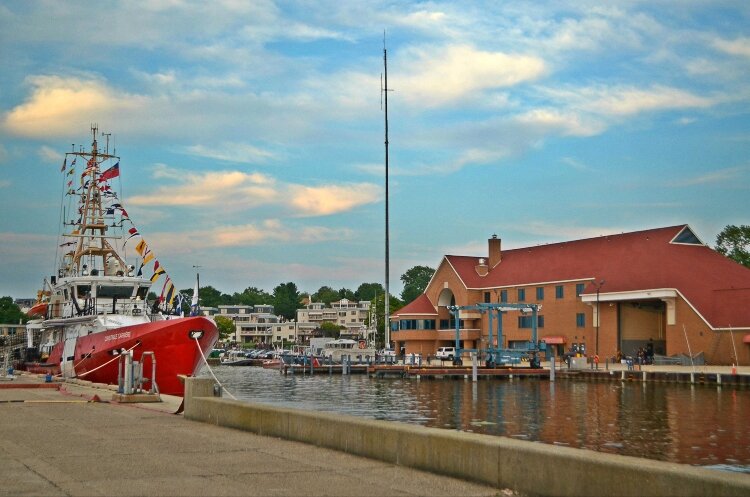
x=106 y=146
x=384 y=97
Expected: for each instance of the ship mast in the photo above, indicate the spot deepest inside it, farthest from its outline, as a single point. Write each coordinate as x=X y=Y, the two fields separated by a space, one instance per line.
x=92 y=227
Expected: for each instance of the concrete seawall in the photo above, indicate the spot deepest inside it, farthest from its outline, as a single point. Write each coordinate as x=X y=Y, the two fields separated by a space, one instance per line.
x=528 y=467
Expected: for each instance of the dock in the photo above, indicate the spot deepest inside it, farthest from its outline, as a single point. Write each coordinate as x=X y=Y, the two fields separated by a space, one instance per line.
x=69 y=439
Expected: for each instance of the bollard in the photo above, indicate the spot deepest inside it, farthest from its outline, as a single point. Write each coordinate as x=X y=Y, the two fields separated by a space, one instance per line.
x=552 y=368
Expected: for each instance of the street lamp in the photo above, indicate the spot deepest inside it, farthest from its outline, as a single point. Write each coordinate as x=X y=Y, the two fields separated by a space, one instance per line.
x=598 y=288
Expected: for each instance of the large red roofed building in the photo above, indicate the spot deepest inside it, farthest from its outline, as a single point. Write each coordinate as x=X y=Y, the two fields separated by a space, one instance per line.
x=661 y=288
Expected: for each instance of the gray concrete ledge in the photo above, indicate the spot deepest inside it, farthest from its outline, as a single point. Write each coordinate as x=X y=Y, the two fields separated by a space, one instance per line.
x=527 y=467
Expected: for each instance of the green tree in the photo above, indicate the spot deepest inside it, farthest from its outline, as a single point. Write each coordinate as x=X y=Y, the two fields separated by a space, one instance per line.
x=10 y=313
x=225 y=326
x=378 y=303
x=345 y=293
x=252 y=296
x=330 y=329
x=325 y=294
x=415 y=281
x=286 y=300
x=211 y=297
x=734 y=242
x=368 y=291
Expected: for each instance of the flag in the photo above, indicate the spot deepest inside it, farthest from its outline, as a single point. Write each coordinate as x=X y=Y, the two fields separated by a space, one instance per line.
x=70 y=183
x=141 y=247
x=157 y=273
x=194 y=302
x=110 y=173
x=65 y=164
x=148 y=256
x=169 y=298
x=72 y=170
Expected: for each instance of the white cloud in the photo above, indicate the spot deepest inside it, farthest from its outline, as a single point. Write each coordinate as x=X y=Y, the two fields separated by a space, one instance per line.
x=5 y=183
x=436 y=76
x=48 y=154
x=247 y=190
x=727 y=175
x=331 y=199
x=58 y=104
x=233 y=152
x=738 y=46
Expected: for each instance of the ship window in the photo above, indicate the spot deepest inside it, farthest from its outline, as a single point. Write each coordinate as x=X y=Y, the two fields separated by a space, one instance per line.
x=142 y=292
x=112 y=291
x=83 y=290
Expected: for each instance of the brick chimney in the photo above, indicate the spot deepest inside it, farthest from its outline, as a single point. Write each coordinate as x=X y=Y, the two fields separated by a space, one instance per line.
x=495 y=254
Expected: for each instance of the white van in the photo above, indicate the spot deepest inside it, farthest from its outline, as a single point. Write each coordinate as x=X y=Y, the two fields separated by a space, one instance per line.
x=446 y=353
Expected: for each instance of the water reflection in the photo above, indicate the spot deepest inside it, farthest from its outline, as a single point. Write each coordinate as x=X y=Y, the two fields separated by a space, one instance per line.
x=686 y=424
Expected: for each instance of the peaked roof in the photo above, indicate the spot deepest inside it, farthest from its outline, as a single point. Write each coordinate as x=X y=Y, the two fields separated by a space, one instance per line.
x=420 y=305
x=662 y=258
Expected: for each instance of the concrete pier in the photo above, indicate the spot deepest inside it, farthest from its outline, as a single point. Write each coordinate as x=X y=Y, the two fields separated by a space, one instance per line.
x=68 y=440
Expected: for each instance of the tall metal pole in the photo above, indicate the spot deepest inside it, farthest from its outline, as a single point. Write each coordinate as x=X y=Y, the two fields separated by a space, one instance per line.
x=386 y=317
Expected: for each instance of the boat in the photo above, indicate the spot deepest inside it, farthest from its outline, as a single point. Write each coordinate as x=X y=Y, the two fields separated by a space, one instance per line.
x=356 y=350
x=236 y=358
x=94 y=310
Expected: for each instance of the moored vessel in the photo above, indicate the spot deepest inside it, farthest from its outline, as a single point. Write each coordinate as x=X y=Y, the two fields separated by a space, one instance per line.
x=95 y=308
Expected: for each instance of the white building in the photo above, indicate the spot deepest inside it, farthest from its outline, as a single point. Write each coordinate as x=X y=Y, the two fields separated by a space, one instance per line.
x=353 y=316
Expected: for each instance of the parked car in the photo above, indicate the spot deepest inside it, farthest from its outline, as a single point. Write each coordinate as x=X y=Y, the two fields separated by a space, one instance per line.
x=446 y=353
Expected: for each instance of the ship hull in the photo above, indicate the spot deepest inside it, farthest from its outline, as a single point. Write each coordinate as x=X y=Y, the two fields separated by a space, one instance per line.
x=176 y=352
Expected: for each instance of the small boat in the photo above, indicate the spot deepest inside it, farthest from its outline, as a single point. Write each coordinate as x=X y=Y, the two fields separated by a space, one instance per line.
x=94 y=309
x=236 y=358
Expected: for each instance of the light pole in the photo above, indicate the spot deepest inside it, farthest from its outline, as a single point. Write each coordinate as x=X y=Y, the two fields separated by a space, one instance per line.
x=596 y=347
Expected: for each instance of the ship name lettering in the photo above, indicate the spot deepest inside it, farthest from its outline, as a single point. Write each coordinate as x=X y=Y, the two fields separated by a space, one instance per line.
x=117 y=336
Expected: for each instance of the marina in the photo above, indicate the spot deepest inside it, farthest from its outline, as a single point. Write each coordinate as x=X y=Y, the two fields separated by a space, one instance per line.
x=699 y=424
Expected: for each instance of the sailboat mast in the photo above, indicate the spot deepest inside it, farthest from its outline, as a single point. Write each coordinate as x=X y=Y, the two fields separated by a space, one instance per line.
x=386 y=316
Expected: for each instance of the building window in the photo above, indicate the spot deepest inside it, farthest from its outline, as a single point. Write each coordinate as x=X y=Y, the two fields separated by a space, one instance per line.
x=528 y=321
x=503 y=295
x=580 y=320
x=559 y=292
x=486 y=297
x=521 y=294
x=540 y=293
x=579 y=289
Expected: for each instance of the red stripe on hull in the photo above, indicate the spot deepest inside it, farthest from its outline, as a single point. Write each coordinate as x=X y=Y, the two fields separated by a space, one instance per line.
x=175 y=351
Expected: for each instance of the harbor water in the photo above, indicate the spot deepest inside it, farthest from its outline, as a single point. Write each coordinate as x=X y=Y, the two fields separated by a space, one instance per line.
x=688 y=424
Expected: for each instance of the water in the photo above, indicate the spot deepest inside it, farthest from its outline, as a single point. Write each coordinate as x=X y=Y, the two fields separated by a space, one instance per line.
x=698 y=425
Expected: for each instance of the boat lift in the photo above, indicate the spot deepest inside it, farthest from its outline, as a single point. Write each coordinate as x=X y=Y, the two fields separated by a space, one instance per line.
x=499 y=355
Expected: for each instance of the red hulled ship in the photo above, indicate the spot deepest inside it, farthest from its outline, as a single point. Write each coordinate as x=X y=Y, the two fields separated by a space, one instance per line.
x=96 y=307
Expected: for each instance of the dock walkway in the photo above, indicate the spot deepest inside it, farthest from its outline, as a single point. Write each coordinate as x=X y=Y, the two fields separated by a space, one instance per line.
x=54 y=440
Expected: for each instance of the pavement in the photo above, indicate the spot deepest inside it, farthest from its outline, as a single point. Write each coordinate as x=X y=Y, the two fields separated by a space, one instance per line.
x=76 y=441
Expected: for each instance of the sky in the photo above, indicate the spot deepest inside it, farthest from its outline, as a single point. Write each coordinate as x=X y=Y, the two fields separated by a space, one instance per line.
x=251 y=133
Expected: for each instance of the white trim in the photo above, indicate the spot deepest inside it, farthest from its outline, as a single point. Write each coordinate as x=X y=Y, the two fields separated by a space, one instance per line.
x=663 y=293
x=687 y=227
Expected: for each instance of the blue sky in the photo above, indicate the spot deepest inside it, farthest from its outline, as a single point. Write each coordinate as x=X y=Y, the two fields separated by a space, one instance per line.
x=251 y=133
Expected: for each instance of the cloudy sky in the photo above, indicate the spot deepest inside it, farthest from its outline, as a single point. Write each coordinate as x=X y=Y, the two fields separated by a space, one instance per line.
x=251 y=132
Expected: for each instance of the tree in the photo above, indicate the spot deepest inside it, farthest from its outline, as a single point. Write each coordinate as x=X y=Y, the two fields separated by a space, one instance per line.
x=10 y=313
x=415 y=281
x=734 y=242
x=345 y=293
x=211 y=297
x=378 y=303
x=368 y=291
x=330 y=329
x=325 y=294
x=252 y=296
x=226 y=327
x=286 y=300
